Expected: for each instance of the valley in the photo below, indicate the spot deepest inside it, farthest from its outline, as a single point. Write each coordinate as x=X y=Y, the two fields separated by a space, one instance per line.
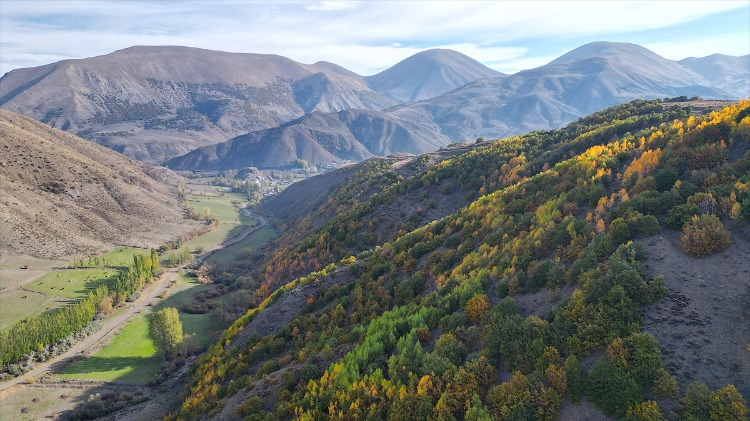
x=194 y=234
x=120 y=352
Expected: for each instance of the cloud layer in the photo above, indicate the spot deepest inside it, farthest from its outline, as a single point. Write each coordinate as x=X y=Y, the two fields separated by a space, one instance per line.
x=369 y=36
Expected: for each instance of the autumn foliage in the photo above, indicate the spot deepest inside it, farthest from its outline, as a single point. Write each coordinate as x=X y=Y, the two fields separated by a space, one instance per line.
x=704 y=235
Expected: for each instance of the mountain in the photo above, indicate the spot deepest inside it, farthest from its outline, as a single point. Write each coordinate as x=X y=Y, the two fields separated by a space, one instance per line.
x=153 y=103
x=61 y=195
x=352 y=135
x=429 y=74
x=580 y=82
x=156 y=102
x=585 y=80
x=729 y=73
x=525 y=278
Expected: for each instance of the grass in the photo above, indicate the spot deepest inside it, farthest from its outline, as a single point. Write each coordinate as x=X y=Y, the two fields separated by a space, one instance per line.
x=220 y=205
x=130 y=358
x=73 y=283
x=123 y=256
x=229 y=216
x=42 y=402
x=18 y=305
x=62 y=286
x=253 y=242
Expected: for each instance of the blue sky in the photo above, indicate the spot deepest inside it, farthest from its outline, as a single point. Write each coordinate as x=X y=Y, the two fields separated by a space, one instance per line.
x=369 y=36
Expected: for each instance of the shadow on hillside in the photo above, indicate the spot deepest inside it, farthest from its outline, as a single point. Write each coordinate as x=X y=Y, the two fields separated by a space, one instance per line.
x=105 y=364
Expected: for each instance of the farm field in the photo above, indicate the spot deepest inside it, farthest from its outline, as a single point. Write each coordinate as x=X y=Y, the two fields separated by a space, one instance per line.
x=221 y=207
x=131 y=356
x=36 y=403
x=18 y=305
x=62 y=286
x=253 y=242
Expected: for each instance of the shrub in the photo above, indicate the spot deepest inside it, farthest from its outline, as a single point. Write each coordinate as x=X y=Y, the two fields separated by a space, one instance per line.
x=612 y=389
x=680 y=214
x=705 y=235
x=645 y=411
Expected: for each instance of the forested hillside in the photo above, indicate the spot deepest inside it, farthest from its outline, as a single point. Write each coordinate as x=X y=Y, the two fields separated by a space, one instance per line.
x=504 y=281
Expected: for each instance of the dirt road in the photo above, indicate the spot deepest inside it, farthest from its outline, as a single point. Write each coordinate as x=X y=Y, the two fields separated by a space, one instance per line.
x=110 y=325
x=90 y=342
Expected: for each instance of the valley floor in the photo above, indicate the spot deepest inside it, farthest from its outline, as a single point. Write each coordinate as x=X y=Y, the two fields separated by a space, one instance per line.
x=41 y=393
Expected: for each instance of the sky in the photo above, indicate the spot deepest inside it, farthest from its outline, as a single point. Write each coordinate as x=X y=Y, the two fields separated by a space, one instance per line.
x=370 y=36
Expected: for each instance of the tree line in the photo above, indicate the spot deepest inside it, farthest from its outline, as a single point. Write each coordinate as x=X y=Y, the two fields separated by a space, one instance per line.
x=37 y=334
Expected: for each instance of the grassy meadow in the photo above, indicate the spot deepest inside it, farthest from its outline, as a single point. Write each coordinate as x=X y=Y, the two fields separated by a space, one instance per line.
x=130 y=358
x=253 y=242
x=229 y=216
x=62 y=286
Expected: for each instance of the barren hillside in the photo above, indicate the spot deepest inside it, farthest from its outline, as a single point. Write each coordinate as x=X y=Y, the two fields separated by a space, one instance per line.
x=61 y=195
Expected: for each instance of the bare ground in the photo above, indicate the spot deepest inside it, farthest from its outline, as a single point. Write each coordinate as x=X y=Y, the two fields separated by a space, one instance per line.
x=703 y=326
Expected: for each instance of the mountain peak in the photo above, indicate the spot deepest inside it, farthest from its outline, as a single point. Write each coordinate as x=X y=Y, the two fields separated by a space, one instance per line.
x=606 y=49
x=428 y=74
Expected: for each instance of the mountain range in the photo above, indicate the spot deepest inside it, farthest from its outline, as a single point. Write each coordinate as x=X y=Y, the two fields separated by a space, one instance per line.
x=155 y=103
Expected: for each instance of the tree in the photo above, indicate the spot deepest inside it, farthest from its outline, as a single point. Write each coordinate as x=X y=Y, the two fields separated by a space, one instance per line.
x=574 y=377
x=645 y=411
x=727 y=404
x=166 y=330
x=705 y=235
x=477 y=307
x=612 y=389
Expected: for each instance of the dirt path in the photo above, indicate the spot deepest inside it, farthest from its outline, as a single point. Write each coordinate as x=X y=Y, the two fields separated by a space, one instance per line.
x=152 y=291
x=90 y=342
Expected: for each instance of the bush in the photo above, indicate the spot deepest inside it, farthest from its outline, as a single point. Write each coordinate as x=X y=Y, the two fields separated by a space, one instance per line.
x=705 y=235
x=612 y=389
x=680 y=214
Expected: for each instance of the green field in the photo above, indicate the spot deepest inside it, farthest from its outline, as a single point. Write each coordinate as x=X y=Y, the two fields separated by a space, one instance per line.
x=229 y=216
x=123 y=256
x=131 y=356
x=61 y=286
x=253 y=242
x=73 y=283
x=18 y=305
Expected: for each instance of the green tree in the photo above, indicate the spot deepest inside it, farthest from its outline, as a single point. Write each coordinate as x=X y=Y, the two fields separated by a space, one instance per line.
x=727 y=404
x=612 y=389
x=645 y=411
x=166 y=330
x=575 y=379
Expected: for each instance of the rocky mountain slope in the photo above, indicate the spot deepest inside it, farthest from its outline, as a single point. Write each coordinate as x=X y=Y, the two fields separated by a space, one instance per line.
x=351 y=135
x=61 y=195
x=153 y=103
x=585 y=80
x=731 y=74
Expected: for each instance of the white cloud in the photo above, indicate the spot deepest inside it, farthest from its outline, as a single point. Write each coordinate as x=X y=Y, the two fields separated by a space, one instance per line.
x=332 y=6
x=364 y=36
